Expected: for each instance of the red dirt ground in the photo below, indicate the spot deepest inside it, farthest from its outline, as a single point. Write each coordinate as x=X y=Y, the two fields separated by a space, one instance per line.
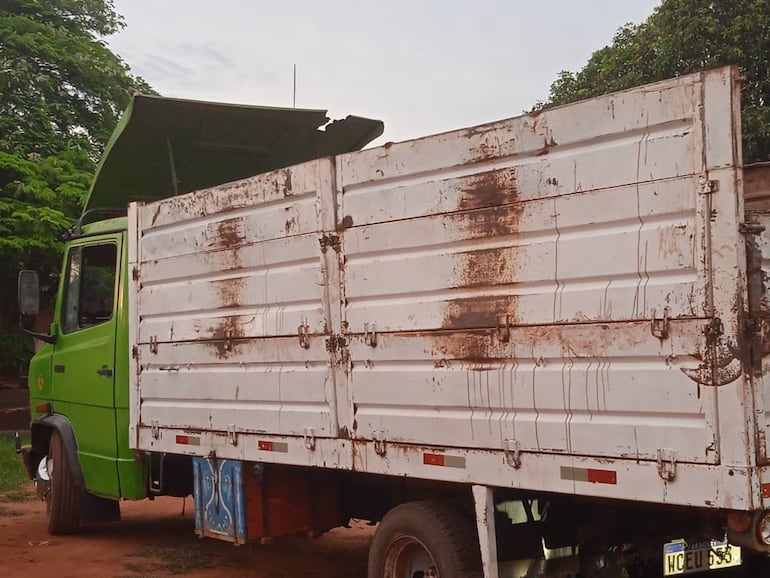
x=154 y=539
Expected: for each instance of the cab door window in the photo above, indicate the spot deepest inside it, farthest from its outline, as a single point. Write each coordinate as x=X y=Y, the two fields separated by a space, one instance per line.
x=89 y=291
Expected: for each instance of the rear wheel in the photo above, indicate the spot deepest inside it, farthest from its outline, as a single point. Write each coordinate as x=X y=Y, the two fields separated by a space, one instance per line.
x=425 y=539
x=62 y=498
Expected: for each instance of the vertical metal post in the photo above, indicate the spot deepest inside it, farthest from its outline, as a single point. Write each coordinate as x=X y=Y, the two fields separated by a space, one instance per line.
x=483 y=498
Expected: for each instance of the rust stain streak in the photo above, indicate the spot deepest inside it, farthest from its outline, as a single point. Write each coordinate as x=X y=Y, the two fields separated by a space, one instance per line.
x=490 y=207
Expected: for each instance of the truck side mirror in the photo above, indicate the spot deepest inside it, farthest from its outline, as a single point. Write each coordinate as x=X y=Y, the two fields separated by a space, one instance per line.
x=29 y=297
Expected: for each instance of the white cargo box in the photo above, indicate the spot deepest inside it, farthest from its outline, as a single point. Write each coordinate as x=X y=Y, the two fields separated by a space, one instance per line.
x=553 y=301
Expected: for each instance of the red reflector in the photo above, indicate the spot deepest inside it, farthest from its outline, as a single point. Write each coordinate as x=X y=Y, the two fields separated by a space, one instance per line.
x=265 y=446
x=765 y=490
x=433 y=459
x=43 y=408
x=602 y=476
x=182 y=440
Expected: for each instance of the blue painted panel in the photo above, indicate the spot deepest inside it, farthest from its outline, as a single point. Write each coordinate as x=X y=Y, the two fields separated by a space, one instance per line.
x=220 y=510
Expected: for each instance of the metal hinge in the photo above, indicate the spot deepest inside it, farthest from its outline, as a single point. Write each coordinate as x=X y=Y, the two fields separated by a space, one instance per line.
x=714 y=330
x=135 y=273
x=155 y=429
x=329 y=240
x=335 y=342
x=310 y=438
x=512 y=450
x=707 y=186
x=232 y=435
x=153 y=344
x=370 y=334
x=751 y=228
x=659 y=325
x=380 y=447
x=135 y=352
x=303 y=333
x=667 y=464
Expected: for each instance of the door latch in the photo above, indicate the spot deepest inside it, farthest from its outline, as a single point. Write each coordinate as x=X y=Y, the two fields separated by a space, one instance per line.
x=667 y=464
x=380 y=447
x=707 y=186
x=659 y=325
x=303 y=334
x=504 y=327
x=232 y=435
x=512 y=450
x=309 y=438
x=370 y=334
x=228 y=339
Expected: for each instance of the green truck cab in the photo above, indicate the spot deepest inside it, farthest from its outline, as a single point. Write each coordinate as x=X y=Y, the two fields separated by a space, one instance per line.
x=79 y=455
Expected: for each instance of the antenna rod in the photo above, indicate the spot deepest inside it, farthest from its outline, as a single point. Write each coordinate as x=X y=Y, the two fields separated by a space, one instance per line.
x=294 y=99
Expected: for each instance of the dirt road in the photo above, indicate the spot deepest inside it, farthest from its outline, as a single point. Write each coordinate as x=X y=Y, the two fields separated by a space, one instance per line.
x=156 y=539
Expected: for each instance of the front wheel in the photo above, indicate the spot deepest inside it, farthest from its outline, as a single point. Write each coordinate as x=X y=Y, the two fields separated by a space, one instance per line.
x=63 y=497
x=425 y=540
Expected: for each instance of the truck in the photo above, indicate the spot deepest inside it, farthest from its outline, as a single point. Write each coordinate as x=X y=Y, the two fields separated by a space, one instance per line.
x=534 y=347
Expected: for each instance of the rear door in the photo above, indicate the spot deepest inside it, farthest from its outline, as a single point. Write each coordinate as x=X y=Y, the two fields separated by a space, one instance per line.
x=757 y=192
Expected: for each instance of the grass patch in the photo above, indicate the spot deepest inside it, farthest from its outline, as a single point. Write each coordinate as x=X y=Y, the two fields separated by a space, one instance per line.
x=13 y=479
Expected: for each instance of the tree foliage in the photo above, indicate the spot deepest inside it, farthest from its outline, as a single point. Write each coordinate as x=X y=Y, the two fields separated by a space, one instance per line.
x=61 y=93
x=680 y=37
x=59 y=82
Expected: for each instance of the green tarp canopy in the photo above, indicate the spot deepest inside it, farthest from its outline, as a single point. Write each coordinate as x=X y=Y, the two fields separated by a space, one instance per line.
x=164 y=146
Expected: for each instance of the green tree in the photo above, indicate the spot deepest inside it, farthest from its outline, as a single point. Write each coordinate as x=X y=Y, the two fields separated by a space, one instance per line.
x=61 y=93
x=680 y=37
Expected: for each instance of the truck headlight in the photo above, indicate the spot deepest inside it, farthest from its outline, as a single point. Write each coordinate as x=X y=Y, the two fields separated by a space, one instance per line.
x=763 y=529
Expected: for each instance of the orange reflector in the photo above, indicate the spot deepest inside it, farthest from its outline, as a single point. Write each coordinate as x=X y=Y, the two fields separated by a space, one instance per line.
x=43 y=408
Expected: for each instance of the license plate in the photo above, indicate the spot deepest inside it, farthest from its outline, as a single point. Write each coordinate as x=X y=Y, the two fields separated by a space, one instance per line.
x=679 y=557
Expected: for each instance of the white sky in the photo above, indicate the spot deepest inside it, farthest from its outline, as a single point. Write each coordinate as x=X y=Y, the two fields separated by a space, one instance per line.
x=422 y=66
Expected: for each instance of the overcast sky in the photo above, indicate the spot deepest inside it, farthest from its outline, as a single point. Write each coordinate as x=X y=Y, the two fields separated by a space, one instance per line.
x=421 y=66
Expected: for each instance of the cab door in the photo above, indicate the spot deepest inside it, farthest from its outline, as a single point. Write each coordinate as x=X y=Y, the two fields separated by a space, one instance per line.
x=84 y=357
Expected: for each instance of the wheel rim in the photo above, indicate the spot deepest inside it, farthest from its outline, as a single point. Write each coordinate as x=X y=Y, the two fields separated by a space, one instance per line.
x=47 y=482
x=407 y=557
x=43 y=478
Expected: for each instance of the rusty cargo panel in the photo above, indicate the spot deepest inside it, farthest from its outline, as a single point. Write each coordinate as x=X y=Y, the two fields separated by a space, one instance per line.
x=514 y=271
x=233 y=311
x=551 y=290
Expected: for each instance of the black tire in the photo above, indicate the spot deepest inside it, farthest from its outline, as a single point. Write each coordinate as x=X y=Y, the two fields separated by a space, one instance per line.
x=417 y=536
x=63 y=498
